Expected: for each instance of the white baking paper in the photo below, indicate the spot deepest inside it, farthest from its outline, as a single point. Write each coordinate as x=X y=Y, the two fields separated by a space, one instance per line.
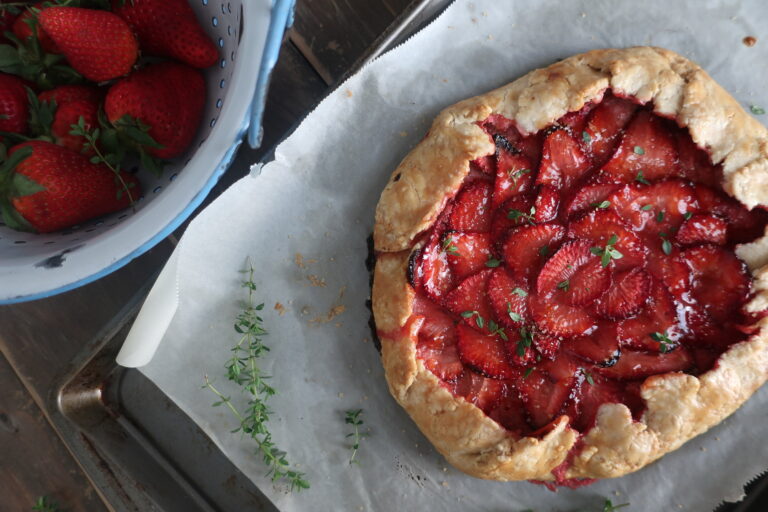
x=317 y=199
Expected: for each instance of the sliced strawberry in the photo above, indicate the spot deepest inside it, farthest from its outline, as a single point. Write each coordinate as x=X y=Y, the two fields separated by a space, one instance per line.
x=527 y=247
x=562 y=161
x=637 y=365
x=626 y=296
x=590 y=197
x=432 y=271
x=546 y=204
x=484 y=354
x=599 y=347
x=743 y=225
x=546 y=345
x=438 y=328
x=657 y=208
x=508 y=295
x=593 y=391
x=600 y=226
x=647 y=146
x=509 y=411
x=472 y=209
x=574 y=122
x=574 y=273
x=482 y=392
x=484 y=164
x=658 y=319
x=669 y=268
x=442 y=360
x=467 y=252
x=509 y=216
x=702 y=229
x=545 y=390
x=721 y=281
x=695 y=163
x=705 y=359
x=469 y=300
x=514 y=176
x=605 y=127
x=506 y=134
x=557 y=318
x=564 y=367
x=520 y=346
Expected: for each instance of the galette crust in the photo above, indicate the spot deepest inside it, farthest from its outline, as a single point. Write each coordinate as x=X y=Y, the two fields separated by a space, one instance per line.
x=679 y=406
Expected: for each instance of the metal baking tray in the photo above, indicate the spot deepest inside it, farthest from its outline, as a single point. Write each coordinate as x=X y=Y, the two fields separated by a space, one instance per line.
x=140 y=450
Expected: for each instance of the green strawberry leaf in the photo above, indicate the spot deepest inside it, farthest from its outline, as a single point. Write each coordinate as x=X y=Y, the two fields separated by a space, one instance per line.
x=41 y=115
x=12 y=218
x=136 y=131
x=22 y=185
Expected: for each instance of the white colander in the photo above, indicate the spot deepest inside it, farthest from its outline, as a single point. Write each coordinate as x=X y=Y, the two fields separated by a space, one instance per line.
x=248 y=35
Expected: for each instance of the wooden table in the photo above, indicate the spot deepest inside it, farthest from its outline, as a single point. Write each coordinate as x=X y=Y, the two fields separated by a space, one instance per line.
x=39 y=339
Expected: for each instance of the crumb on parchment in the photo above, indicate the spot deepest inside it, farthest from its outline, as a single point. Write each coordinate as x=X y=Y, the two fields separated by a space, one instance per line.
x=280 y=308
x=333 y=313
x=316 y=281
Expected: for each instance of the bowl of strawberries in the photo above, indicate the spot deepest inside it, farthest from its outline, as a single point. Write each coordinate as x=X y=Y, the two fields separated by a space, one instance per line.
x=117 y=117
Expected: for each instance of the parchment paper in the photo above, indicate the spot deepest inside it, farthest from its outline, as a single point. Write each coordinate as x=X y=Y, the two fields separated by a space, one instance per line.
x=317 y=199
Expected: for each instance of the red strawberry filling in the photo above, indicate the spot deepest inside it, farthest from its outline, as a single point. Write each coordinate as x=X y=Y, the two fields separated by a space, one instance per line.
x=576 y=262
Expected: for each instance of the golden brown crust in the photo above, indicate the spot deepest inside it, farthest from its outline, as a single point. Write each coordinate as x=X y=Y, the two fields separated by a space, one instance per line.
x=679 y=406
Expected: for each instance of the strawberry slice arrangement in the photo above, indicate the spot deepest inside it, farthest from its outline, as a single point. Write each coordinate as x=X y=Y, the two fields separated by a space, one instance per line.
x=78 y=101
x=578 y=261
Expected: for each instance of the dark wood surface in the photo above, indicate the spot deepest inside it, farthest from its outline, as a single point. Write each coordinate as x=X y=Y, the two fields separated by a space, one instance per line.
x=39 y=340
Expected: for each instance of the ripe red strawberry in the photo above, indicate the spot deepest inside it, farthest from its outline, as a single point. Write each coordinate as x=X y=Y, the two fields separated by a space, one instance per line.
x=520 y=346
x=656 y=327
x=66 y=93
x=591 y=392
x=553 y=316
x=574 y=122
x=74 y=189
x=437 y=328
x=467 y=252
x=513 y=213
x=469 y=300
x=574 y=274
x=647 y=146
x=695 y=163
x=562 y=161
x=508 y=410
x=14 y=105
x=168 y=28
x=589 y=198
x=22 y=28
x=69 y=114
x=527 y=247
x=546 y=345
x=484 y=353
x=432 y=271
x=514 y=176
x=506 y=135
x=743 y=225
x=605 y=127
x=669 y=269
x=546 y=204
x=482 y=392
x=168 y=97
x=721 y=281
x=484 y=165
x=657 y=208
x=545 y=390
x=701 y=229
x=508 y=296
x=626 y=295
x=97 y=44
x=599 y=347
x=442 y=360
x=472 y=209
x=600 y=226
x=637 y=365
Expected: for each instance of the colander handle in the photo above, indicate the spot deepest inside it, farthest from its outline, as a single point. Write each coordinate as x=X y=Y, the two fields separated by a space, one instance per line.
x=281 y=19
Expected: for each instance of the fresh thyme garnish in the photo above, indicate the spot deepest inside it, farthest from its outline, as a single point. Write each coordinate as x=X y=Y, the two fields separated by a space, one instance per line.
x=528 y=371
x=492 y=262
x=666 y=245
x=660 y=216
x=243 y=370
x=647 y=207
x=608 y=252
x=515 y=316
x=516 y=175
x=603 y=205
x=638 y=150
x=517 y=214
x=564 y=285
x=687 y=215
x=641 y=179
x=608 y=506
x=758 y=111
x=479 y=320
x=588 y=376
x=544 y=250
x=352 y=417
x=526 y=340
x=46 y=504
x=520 y=292
x=496 y=329
x=449 y=247
x=586 y=137
x=665 y=344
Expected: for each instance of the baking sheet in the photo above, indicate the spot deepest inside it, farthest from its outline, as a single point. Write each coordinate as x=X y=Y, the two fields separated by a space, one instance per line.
x=317 y=200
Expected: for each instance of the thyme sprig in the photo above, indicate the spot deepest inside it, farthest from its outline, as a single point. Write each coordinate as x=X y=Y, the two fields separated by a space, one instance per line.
x=46 y=504
x=352 y=417
x=608 y=252
x=243 y=369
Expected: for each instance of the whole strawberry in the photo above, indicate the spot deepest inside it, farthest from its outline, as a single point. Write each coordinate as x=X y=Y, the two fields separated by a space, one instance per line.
x=22 y=28
x=70 y=114
x=14 y=105
x=61 y=188
x=97 y=44
x=168 y=97
x=66 y=93
x=168 y=28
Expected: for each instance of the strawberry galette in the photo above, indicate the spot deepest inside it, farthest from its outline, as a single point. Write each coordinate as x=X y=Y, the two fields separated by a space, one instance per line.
x=570 y=277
